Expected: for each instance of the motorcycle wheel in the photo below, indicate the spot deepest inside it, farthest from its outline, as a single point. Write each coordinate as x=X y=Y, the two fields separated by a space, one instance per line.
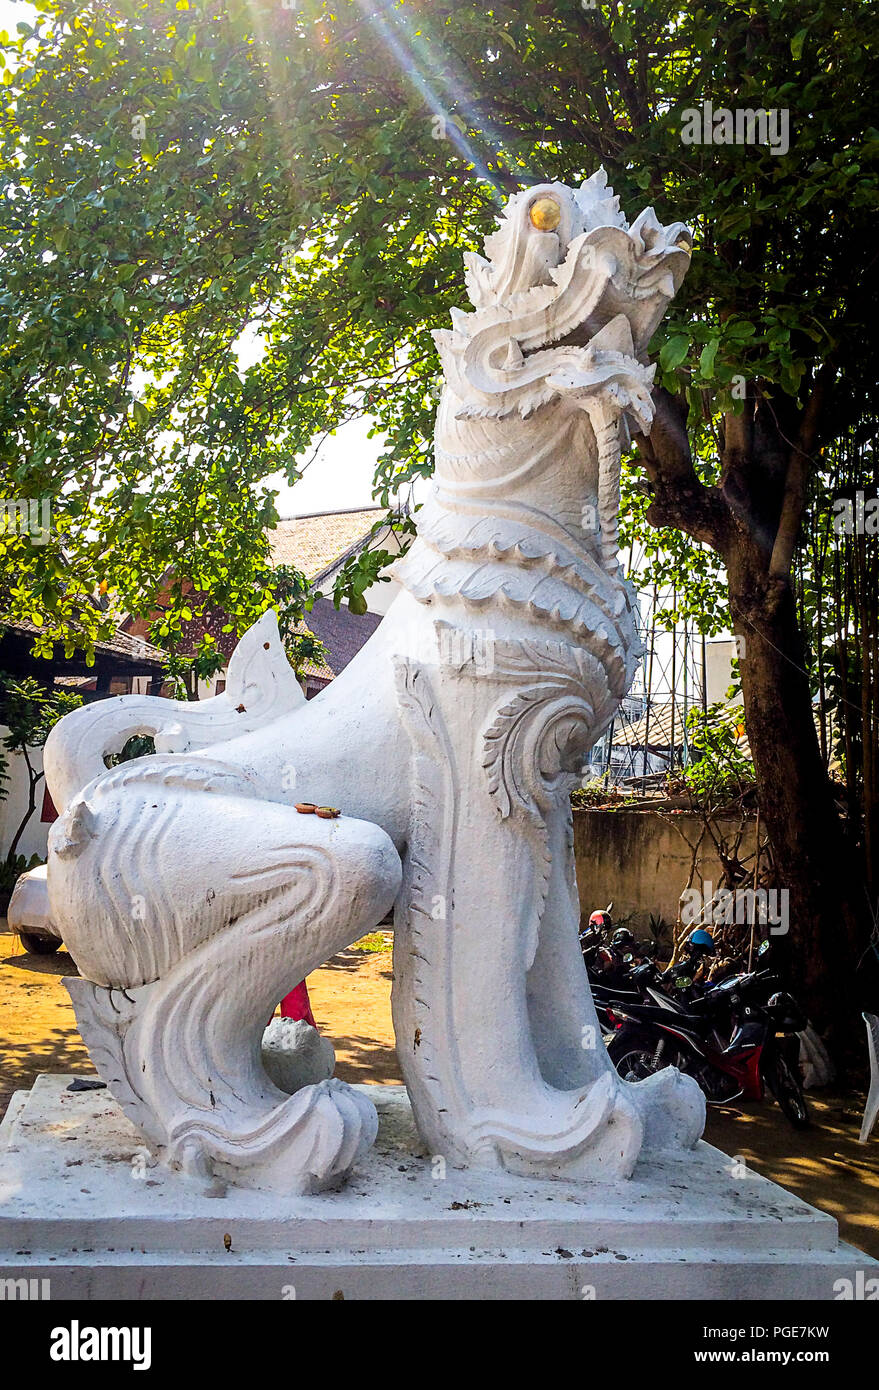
x=39 y=945
x=633 y=1053
x=785 y=1085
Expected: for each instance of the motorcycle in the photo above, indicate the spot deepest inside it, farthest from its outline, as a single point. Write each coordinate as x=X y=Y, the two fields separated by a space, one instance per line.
x=726 y=1039
x=618 y=968
x=624 y=970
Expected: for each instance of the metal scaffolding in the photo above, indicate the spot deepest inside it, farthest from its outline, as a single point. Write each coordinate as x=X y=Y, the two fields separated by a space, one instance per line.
x=648 y=736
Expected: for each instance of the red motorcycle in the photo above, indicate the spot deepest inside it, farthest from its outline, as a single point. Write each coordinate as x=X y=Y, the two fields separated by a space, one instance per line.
x=727 y=1040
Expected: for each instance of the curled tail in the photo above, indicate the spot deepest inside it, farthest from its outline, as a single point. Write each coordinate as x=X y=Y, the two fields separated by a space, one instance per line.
x=260 y=687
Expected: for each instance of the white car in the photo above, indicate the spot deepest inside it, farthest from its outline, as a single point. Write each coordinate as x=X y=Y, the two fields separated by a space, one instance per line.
x=28 y=913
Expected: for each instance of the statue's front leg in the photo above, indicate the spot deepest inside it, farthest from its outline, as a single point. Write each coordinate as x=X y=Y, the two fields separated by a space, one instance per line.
x=564 y=1024
x=496 y=1031
x=191 y=906
x=477 y=877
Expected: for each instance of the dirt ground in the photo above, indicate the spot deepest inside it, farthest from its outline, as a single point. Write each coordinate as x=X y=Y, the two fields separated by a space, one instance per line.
x=350 y=998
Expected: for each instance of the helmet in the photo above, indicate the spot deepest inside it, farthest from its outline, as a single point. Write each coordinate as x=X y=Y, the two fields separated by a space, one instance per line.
x=600 y=921
x=622 y=937
x=786 y=1013
x=701 y=940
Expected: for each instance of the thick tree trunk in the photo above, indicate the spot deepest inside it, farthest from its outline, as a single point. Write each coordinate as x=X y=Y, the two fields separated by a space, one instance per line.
x=814 y=860
x=752 y=520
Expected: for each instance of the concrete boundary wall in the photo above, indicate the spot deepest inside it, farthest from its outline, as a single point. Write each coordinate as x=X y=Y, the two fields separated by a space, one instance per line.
x=638 y=861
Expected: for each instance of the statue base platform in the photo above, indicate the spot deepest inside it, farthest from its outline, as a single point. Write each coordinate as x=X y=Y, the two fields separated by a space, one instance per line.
x=80 y=1206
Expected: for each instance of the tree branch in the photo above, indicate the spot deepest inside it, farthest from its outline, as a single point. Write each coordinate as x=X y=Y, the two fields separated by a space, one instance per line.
x=680 y=498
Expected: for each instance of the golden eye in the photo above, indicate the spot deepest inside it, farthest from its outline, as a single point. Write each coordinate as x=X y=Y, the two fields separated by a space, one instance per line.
x=545 y=214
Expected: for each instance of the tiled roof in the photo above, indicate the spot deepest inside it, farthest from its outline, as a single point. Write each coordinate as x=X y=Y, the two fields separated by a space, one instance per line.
x=121 y=644
x=314 y=544
x=658 y=727
x=318 y=669
x=342 y=632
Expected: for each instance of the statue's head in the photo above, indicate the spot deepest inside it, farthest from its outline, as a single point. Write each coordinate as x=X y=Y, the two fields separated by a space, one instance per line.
x=566 y=299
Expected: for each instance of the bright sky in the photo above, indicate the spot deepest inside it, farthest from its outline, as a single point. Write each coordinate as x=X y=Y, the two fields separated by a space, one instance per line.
x=11 y=13
x=339 y=477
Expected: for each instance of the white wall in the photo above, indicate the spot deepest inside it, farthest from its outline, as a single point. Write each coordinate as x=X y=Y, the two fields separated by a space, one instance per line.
x=140 y=685
x=379 y=597
x=719 y=653
x=13 y=806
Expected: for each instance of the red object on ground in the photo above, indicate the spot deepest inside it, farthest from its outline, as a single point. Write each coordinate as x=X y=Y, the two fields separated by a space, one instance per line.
x=296 y=1004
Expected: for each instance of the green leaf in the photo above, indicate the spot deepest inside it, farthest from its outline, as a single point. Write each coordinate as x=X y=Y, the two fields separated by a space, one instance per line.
x=707 y=356
x=673 y=352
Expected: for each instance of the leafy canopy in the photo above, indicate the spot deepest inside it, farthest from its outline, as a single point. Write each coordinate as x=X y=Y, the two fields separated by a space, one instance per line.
x=181 y=179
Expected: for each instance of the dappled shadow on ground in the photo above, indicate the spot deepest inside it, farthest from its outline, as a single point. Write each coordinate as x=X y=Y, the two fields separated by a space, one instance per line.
x=365 y=1059
x=345 y=960
x=350 y=997
x=824 y=1165
x=353 y=959
x=38 y=1030
x=59 y=964
x=61 y=1049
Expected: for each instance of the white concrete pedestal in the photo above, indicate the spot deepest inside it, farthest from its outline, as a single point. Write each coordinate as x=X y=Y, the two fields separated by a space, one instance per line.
x=79 y=1206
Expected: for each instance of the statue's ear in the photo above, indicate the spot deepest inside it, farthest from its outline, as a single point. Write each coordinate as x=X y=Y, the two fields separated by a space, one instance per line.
x=615 y=336
x=72 y=832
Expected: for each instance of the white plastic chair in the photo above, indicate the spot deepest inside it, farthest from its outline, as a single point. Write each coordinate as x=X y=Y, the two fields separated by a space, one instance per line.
x=871 y=1109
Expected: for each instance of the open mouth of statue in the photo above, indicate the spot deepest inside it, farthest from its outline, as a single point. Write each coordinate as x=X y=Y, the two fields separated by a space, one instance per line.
x=581 y=336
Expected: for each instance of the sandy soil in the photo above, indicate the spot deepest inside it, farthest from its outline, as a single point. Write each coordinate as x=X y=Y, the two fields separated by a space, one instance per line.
x=351 y=1001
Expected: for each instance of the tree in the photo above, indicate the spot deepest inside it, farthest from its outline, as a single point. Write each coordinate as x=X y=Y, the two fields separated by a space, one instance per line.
x=29 y=710
x=292 y=599
x=186 y=669
x=181 y=175
x=837 y=589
